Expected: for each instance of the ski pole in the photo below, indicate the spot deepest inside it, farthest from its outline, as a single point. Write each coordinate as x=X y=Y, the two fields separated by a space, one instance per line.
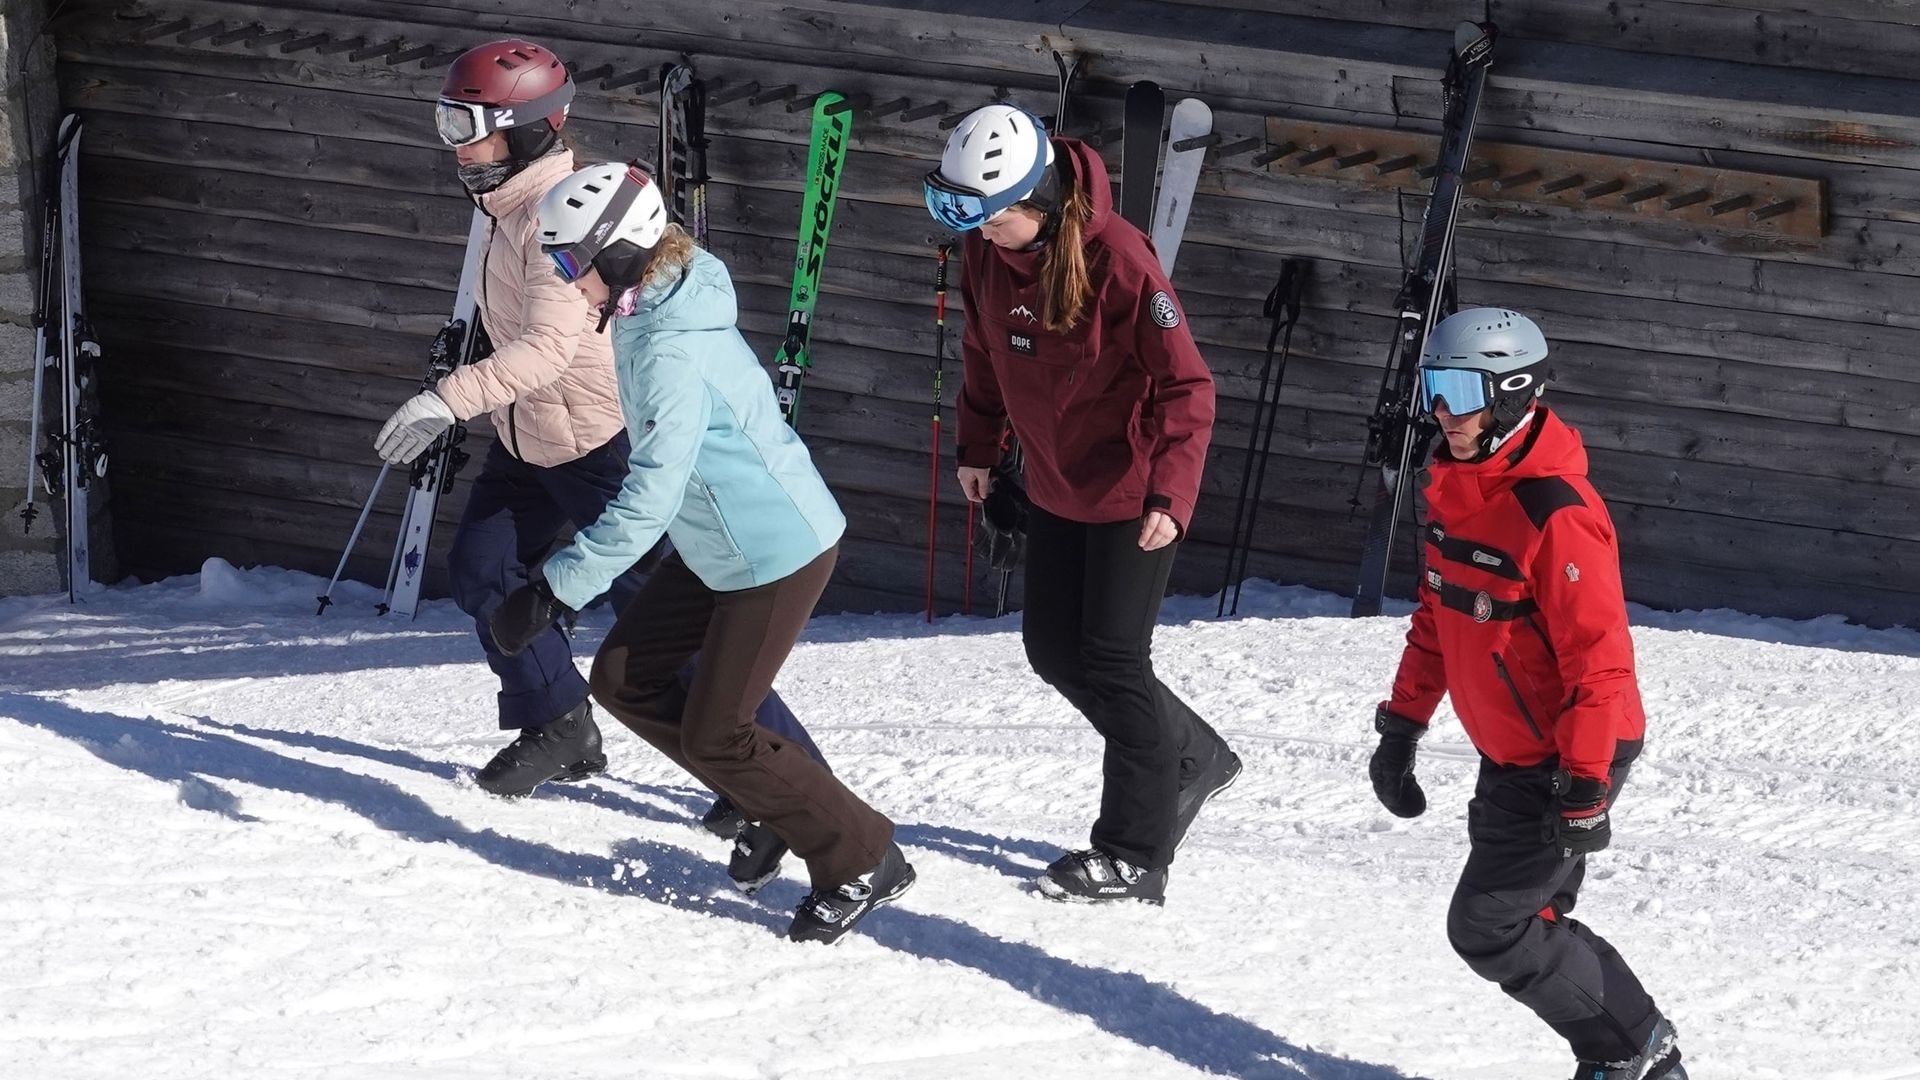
x=939 y=377
x=326 y=598
x=1283 y=309
x=41 y=317
x=966 y=591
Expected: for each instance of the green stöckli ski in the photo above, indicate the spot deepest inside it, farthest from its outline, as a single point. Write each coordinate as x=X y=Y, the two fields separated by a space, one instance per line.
x=824 y=161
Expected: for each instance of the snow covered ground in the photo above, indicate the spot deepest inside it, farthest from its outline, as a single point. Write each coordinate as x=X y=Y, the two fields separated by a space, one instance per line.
x=243 y=842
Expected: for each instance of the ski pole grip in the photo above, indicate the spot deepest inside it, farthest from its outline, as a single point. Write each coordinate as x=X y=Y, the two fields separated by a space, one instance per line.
x=1298 y=269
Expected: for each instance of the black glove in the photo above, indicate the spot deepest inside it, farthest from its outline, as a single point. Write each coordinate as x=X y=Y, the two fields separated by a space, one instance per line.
x=1391 y=768
x=1003 y=513
x=524 y=615
x=1580 y=820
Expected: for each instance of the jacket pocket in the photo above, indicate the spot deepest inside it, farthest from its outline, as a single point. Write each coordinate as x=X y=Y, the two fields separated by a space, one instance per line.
x=1500 y=665
x=1027 y=348
x=720 y=522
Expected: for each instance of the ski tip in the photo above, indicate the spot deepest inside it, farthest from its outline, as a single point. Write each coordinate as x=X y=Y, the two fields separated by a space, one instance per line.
x=1472 y=41
x=1192 y=108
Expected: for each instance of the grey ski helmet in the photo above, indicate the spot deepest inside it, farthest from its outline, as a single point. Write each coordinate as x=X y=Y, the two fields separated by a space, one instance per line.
x=1484 y=358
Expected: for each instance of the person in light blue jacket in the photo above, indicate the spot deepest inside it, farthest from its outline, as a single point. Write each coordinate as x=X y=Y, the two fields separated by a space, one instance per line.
x=755 y=532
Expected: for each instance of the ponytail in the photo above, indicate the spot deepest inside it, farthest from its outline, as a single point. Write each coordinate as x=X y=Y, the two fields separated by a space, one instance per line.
x=1065 y=286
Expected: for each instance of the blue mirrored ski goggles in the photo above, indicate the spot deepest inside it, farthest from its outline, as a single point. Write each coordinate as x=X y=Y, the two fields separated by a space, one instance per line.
x=958 y=208
x=570 y=262
x=1463 y=390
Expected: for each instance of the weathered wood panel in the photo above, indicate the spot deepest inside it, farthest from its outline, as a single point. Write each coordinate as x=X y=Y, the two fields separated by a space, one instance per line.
x=1843 y=402
x=1878 y=40
x=1750 y=405
x=1240 y=277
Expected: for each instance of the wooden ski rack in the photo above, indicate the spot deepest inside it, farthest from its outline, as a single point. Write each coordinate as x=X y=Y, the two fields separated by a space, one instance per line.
x=1508 y=172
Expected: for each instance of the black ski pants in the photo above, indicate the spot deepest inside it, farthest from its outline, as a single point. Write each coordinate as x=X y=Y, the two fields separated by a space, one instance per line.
x=1511 y=918
x=1091 y=601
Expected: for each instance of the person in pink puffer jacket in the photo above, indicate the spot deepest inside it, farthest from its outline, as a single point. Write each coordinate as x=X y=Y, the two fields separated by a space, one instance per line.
x=550 y=388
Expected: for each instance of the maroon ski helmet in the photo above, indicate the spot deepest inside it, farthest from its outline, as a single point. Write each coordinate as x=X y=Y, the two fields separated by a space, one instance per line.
x=500 y=86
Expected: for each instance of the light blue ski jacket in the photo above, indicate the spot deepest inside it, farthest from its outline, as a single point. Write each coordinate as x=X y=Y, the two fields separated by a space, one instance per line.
x=713 y=464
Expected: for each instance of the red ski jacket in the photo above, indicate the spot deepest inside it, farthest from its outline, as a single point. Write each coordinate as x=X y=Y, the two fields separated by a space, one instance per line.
x=1521 y=617
x=1114 y=414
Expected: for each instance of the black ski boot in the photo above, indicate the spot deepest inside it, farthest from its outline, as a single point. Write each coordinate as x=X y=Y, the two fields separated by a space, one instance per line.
x=1218 y=775
x=723 y=819
x=1090 y=875
x=757 y=850
x=826 y=915
x=1659 y=1059
x=562 y=750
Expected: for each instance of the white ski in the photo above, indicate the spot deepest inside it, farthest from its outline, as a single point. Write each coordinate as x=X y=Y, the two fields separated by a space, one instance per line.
x=433 y=471
x=1179 y=175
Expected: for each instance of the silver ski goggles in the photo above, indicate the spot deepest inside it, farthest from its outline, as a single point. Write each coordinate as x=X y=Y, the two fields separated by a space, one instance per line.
x=463 y=123
x=1463 y=391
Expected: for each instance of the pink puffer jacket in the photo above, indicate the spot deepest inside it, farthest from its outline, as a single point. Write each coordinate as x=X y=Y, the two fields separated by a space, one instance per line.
x=549 y=383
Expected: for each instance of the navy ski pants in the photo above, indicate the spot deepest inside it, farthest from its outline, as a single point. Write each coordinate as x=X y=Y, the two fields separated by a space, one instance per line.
x=514 y=515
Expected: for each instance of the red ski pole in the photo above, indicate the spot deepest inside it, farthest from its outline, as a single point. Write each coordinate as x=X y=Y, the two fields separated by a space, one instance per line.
x=939 y=391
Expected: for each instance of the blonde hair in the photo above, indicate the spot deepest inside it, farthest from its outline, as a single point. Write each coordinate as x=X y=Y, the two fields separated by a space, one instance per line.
x=671 y=255
x=1065 y=285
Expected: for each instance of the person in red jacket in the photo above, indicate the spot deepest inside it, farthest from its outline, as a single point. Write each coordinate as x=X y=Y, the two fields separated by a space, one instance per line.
x=1523 y=624
x=1073 y=333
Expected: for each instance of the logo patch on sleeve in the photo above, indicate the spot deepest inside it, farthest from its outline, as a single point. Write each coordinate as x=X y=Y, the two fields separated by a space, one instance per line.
x=1164 y=313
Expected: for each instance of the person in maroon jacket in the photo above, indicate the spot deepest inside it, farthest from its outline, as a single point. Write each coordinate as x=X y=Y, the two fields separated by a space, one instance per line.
x=1522 y=622
x=1073 y=334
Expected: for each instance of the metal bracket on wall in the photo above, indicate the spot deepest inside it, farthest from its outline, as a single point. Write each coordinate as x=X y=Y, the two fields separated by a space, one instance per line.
x=1728 y=199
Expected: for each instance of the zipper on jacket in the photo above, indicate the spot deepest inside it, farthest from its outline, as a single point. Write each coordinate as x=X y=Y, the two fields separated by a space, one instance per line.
x=1542 y=634
x=1500 y=665
x=513 y=431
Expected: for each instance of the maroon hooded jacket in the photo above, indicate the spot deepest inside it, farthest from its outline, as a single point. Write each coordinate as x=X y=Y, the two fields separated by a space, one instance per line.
x=1114 y=415
x=1521 y=620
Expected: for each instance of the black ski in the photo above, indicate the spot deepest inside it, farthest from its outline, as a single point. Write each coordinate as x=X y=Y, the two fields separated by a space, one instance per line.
x=674 y=171
x=1140 y=152
x=1063 y=103
x=1397 y=436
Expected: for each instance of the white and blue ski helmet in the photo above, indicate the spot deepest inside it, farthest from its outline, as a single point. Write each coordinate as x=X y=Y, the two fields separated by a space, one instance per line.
x=996 y=157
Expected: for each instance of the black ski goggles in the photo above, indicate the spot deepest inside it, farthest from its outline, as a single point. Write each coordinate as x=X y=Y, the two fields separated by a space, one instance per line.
x=463 y=123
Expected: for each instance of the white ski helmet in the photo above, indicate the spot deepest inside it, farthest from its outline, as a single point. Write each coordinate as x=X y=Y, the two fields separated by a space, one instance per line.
x=996 y=157
x=1484 y=358
x=608 y=215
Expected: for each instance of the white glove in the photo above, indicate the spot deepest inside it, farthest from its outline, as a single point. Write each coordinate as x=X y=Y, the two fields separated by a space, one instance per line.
x=412 y=428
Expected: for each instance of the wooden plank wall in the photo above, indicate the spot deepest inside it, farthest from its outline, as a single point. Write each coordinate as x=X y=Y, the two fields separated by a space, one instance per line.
x=273 y=238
